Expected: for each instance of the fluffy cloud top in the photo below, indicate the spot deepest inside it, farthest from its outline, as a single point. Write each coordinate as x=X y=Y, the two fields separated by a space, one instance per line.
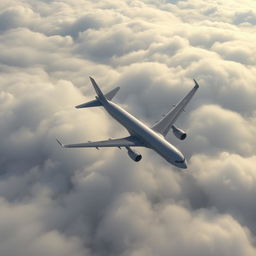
x=85 y=202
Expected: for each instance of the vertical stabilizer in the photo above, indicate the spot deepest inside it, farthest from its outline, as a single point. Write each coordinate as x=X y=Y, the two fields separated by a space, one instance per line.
x=101 y=96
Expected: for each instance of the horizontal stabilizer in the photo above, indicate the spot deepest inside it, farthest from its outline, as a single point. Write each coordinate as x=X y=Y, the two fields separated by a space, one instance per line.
x=110 y=95
x=90 y=104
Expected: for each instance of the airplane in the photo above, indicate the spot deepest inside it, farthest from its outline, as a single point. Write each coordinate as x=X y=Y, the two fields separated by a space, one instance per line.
x=140 y=134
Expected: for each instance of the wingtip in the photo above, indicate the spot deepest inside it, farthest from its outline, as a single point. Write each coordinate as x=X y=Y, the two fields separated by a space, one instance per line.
x=196 y=84
x=60 y=143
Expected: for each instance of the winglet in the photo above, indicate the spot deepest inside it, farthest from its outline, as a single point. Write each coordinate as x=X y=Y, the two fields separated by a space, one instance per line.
x=60 y=143
x=196 y=84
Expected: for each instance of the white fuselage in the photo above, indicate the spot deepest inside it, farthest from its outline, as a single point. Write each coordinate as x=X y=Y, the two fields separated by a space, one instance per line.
x=149 y=137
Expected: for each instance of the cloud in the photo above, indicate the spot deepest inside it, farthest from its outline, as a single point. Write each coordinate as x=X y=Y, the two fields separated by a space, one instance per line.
x=214 y=129
x=31 y=237
x=231 y=51
x=229 y=182
x=88 y=202
x=14 y=17
x=170 y=230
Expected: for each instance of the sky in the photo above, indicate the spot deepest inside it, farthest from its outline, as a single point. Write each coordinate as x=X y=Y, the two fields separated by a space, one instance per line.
x=97 y=203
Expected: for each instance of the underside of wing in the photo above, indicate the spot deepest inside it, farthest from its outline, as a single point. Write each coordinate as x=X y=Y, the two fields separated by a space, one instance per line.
x=129 y=141
x=165 y=124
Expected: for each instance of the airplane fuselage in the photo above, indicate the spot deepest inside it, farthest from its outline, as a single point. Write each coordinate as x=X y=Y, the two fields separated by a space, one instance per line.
x=149 y=137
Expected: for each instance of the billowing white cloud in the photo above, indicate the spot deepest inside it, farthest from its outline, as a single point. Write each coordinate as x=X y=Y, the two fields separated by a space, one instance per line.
x=229 y=182
x=88 y=202
x=140 y=229
x=214 y=129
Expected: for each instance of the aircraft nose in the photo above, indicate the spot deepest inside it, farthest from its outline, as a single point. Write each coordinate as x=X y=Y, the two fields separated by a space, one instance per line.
x=180 y=160
x=184 y=165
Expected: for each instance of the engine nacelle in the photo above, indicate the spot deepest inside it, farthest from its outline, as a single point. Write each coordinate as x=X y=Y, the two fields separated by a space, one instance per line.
x=135 y=156
x=180 y=134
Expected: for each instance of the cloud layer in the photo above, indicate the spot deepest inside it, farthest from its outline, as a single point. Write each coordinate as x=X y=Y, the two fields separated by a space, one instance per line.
x=88 y=202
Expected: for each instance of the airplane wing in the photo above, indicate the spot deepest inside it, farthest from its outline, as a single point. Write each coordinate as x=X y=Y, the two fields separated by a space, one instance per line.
x=163 y=126
x=129 y=141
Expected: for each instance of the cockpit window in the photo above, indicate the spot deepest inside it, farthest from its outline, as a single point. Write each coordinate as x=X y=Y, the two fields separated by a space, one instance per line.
x=180 y=161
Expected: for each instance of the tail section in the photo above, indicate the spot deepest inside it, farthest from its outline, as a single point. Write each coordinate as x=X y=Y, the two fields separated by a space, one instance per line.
x=100 y=98
x=90 y=104
x=110 y=95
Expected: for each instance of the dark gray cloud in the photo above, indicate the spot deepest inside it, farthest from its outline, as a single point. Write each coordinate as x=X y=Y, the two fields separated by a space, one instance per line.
x=89 y=202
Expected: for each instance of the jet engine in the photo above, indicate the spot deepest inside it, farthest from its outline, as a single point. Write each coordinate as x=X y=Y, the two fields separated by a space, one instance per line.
x=135 y=156
x=180 y=134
